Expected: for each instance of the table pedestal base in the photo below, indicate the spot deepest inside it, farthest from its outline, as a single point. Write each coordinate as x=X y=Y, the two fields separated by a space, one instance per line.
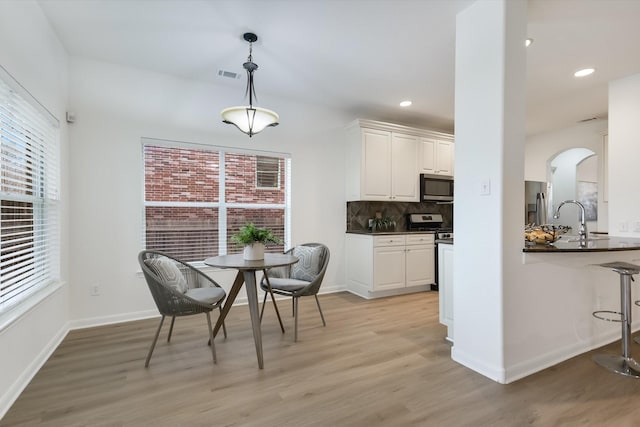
x=618 y=364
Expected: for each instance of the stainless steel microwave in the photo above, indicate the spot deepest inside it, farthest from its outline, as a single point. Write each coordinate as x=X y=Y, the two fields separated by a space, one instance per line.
x=436 y=188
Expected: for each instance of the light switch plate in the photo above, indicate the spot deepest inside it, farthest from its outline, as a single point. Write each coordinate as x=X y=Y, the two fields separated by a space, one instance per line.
x=485 y=187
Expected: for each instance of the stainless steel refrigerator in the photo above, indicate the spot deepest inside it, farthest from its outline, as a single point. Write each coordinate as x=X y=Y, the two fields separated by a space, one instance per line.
x=537 y=202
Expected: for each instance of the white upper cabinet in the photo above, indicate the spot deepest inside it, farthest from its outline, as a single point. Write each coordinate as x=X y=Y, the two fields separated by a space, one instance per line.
x=376 y=168
x=404 y=163
x=384 y=160
x=436 y=156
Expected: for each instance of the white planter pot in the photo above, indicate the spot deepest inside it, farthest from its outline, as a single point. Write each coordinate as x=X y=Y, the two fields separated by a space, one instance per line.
x=254 y=251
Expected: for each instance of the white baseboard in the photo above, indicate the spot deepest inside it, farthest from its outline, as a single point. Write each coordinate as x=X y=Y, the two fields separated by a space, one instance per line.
x=149 y=314
x=537 y=364
x=495 y=373
x=366 y=293
x=552 y=358
x=11 y=395
x=92 y=322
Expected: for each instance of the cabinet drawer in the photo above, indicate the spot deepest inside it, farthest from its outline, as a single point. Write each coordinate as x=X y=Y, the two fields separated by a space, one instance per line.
x=421 y=239
x=394 y=240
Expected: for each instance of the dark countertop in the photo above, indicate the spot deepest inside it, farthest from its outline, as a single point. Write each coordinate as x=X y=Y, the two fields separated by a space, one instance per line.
x=386 y=233
x=604 y=245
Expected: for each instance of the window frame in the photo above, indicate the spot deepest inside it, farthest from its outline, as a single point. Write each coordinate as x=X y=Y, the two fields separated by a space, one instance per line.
x=33 y=132
x=222 y=205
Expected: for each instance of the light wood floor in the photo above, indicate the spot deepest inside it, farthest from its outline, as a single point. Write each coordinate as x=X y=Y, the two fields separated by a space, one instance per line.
x=377 y=363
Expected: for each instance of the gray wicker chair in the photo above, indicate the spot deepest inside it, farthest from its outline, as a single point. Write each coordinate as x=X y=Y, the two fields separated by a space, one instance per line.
x=179 y=292
x=299 y=280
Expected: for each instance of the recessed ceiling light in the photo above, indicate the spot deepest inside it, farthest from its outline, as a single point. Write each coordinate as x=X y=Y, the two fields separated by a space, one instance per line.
x=405 y=103
x=584 y=72
x=528 y=42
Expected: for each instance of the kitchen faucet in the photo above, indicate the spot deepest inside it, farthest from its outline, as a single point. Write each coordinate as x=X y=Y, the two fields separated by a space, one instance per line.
x=583 y=225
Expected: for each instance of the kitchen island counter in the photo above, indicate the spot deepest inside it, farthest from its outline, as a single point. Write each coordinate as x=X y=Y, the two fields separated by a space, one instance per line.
x=593 y=245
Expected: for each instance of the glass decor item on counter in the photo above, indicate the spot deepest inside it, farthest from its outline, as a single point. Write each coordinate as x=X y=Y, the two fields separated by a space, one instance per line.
x=382 y=224
x=545 y=234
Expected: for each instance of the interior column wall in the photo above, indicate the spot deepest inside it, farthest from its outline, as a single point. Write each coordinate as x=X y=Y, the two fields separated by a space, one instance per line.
x=489 y=129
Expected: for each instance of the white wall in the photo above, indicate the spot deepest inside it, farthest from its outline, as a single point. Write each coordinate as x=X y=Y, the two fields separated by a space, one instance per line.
x=541 y=148
x=30 y=51
x=624 y=153
x=564 y=183
x=115 y=106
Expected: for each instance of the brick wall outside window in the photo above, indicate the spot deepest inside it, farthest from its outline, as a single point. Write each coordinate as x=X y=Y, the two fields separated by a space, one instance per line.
x=183 y=203
x=180 y=174
x=241 y=185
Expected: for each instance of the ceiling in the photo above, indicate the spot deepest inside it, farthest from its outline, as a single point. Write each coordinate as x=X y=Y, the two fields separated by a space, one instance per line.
x=359 y=56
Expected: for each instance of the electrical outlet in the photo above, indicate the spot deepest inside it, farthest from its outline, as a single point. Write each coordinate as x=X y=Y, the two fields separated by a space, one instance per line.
x=95 y=290
x=623 y=226
x=636 y=226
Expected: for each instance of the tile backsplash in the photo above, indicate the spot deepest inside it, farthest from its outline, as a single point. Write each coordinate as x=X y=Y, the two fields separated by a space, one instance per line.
x=359 y=213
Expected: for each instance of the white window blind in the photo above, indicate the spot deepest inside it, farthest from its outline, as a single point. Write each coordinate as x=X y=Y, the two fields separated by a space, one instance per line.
x=29 y=195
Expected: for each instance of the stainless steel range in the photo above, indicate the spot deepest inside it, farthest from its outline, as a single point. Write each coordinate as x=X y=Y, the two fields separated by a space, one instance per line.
x=431 y=223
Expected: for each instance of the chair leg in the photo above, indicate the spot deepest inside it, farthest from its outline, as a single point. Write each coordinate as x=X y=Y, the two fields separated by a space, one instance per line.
x=153 y=344
x=320 y=310
x=264 y=302
x=295 y=315
x=173 y=319
x=224 y=327
x=273 y=300
x=293 y=306
x=213 y=345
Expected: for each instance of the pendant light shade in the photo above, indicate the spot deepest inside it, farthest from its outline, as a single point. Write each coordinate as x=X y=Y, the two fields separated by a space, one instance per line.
x=250 y=119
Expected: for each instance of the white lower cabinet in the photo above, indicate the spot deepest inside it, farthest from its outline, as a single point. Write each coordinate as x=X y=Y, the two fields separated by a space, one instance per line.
x=420 y=267
x=387 y=265
x=445 y=286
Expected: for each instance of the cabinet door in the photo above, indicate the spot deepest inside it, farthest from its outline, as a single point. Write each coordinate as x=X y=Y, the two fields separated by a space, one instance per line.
x=376 y=167
x=404 y=168
x=420 y=265
x=427 y=155
x=388 y=267
x=444 y=157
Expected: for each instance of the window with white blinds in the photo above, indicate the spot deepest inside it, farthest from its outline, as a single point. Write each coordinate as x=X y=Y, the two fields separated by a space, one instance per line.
x=29 y=195
x=196 y=197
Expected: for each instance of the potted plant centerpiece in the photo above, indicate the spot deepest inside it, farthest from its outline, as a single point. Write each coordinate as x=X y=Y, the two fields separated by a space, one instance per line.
x=254 y=240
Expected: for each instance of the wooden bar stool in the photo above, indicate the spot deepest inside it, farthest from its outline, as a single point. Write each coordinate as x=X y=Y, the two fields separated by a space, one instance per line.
x=624 y=364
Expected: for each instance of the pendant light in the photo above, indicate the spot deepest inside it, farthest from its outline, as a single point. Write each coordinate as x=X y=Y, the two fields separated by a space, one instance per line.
x=250 y=120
